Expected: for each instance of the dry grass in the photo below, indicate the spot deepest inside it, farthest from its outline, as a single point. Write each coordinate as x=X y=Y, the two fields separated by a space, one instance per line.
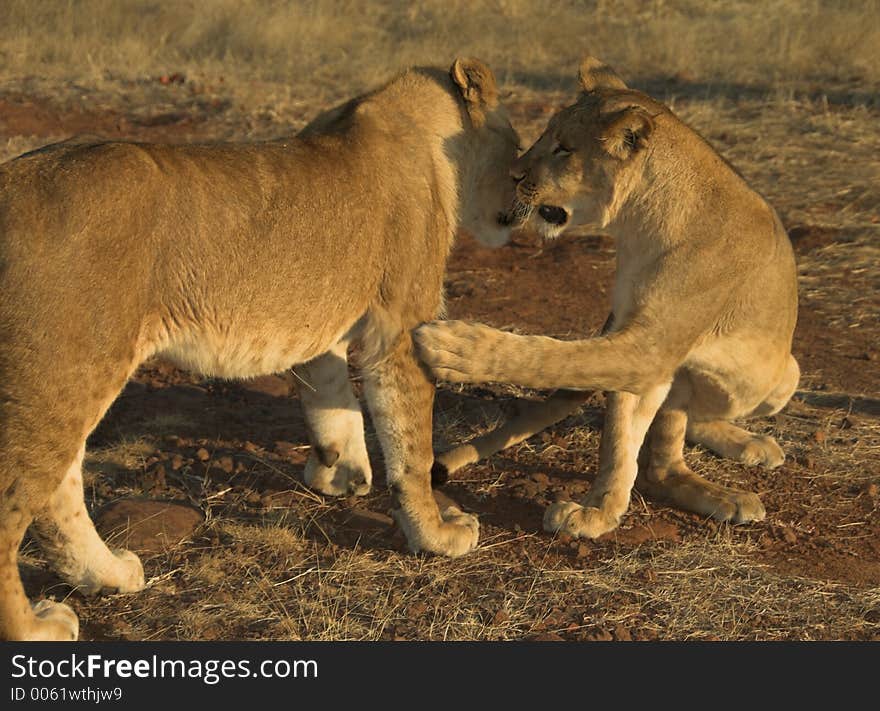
x=784 y=89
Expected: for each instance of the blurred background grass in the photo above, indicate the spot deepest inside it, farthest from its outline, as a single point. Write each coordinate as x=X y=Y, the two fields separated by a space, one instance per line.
x=329 y=48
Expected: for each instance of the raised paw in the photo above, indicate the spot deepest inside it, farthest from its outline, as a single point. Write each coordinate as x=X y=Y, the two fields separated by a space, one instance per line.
x=762 y=450
x=578 y=521
x=456 y=534
x=457 y=351
x=53 y=622
x=328 y=472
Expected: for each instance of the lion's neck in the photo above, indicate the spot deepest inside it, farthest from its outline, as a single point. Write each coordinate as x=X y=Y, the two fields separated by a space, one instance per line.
x=419 y=109
x=673 y=198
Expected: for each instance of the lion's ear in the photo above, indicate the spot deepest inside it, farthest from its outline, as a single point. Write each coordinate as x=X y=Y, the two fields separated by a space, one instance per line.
x=627 y=132
x=595 y=74
x=477 y=85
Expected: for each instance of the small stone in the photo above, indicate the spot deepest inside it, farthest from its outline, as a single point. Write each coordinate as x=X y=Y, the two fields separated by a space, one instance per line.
x=176 y=462
x=146 y=526
x=820 y=436
x=872 y=490
x=417 y=609
x=226 y=464
x=203 y=454
x=583 y=550
x=500 y=617
x=600 y=635
x=789 y=535
x=155 y=478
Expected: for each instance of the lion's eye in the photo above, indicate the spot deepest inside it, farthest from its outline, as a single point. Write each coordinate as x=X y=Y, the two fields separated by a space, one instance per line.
x=561 y=150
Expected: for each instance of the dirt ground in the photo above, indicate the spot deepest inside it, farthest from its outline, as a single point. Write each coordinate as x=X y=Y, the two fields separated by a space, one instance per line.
x=248 y=552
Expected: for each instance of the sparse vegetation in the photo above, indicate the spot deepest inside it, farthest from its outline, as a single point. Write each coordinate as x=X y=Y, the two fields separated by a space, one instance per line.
x=786 y=90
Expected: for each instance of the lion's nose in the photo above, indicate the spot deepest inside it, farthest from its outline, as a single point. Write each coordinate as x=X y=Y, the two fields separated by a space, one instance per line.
x=517 y=172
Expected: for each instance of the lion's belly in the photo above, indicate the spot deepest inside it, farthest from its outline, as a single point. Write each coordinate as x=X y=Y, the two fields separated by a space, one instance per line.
x=239 y=355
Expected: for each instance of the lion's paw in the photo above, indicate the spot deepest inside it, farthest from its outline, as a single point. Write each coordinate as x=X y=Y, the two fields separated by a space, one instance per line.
x=456 y=534
x=763 y=451
x=457 y=351
x=121 y=573
x=578 y=521
x=53 y=622
x=333 y=474
x=739 y=507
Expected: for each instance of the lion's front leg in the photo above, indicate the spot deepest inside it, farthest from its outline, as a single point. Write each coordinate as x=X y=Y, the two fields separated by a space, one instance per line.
x=338 y=464
x=400 y=397
x=626 y=423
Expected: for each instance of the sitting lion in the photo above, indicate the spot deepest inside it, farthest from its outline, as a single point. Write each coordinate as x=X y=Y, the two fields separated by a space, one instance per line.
x=235 y=261
x=703 y=308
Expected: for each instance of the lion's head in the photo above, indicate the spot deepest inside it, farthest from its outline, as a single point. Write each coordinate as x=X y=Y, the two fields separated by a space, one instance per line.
x=583 y=165
x=490 y=138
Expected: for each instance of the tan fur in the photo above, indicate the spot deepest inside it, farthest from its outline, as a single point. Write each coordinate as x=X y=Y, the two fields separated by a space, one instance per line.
x=237 y=260
x=704 y=308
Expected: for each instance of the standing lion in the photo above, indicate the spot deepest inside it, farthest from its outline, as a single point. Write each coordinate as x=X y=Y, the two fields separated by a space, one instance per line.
x=235 y=261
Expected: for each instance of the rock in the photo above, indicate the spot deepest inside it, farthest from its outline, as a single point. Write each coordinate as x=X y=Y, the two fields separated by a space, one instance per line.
x=600 y=635
x=146 y=526
x=820 y=436
x=154 y=479
x=203 y=455
x=176 y=462
x=500 y=617
x=417 y=609
x=622 y=634
x=293 y=453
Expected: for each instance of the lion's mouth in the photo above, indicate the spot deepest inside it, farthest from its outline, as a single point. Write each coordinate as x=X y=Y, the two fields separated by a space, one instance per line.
x=553 y=214
x=518 y=214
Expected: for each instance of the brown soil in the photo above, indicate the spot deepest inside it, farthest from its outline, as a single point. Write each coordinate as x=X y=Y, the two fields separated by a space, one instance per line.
x=235 y=451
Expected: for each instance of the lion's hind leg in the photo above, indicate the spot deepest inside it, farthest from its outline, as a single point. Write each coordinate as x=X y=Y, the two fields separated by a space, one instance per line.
x=533 y=416
x=728 y=440
x=338 y=464
x=73 y=547
x=20 y=491
x=666 y=476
